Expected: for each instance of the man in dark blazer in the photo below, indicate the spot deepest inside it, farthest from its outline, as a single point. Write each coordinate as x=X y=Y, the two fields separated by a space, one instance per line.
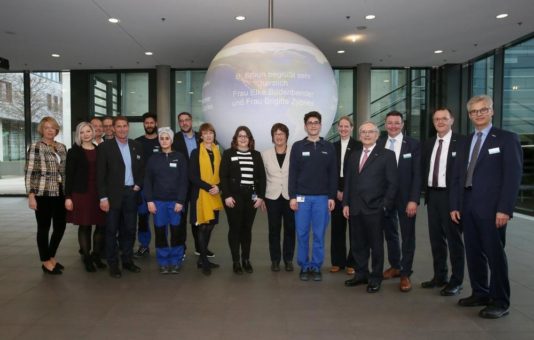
x=344 y=147
x=120 y=167
x=371 y=182
x=439 y=154
x=408 y=156
x=483 y=194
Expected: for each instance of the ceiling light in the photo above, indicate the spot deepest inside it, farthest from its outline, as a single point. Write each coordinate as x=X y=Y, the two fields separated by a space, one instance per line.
x=502 y=16
x=240 y=18
x=113 y=20
x=370 y=16
x=515 y=88
x=354 y=37
x=438 y=51
x=340 y=51
x=148 y=53
x=55 y=55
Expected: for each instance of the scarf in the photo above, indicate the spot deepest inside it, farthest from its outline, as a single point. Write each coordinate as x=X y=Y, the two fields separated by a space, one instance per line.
x=206 y=203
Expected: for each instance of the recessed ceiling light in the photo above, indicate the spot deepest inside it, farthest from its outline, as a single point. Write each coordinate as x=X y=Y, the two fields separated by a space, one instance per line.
x=240 y=18
x=354 y=37
x=148 y=53
x=114 y=20
x=438 y=51
x=370 y=16
x=55 y=55
x=340 y=51
x=502 y=16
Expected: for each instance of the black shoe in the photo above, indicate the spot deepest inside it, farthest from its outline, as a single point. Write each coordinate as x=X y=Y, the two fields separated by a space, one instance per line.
x=54 y=271
x=247 y=266
x=474 y=301
x=131 y=267
x=434 y=283
x=237 y=268
x=59 y=266
x=89 y=266
x=373 y=287
x=304 y=275
x=275 y=266
x=209 y=253
x=451 y=290
x=209 y=264
x=355 y=282
x=141 y=252
x=289 y=266
x=493 y=312
x=114 y=271
x=97 y=261
x=317 y=276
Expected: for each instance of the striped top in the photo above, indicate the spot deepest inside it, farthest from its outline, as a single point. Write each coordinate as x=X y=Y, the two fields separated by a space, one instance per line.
x=246 y=165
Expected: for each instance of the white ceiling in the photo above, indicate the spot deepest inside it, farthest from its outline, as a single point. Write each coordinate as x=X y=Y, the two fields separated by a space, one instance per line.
x=404 y=33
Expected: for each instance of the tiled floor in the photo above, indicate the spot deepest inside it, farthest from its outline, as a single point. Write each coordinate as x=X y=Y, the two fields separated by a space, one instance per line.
x=264 y=305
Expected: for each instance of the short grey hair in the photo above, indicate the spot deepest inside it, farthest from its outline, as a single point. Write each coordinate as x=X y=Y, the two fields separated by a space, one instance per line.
x=481 y=98
x=79 y=127
x=368 y=122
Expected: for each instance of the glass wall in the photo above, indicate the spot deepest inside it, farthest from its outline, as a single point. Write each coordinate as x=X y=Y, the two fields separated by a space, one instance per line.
x=105 y=94
x=518 y=112
x=418 y=103
x=345 y=102
x=388 y=93
x=134 y=93
x=482 y=77
x=188 y=96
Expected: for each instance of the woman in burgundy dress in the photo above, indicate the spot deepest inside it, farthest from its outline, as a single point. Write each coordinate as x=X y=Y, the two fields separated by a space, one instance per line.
x=81 y=201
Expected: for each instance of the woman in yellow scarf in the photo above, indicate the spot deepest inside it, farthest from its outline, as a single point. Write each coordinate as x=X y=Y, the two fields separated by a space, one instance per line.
x=205 y=194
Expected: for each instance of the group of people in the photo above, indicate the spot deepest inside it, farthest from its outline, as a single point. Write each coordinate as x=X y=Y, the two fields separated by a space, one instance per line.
x=373 y=185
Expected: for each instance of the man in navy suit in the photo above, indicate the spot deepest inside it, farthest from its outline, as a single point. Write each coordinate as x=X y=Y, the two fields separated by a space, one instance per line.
x=408 y=155
x=484 y=190
x=371 y=182
x=439 y=154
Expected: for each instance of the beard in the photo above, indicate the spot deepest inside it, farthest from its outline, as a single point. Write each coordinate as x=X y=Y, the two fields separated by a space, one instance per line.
x=150 y=130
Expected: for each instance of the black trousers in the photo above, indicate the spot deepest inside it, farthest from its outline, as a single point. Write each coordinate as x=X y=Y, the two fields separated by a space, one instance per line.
x=444 y=234
x=120 y=229
x=367 y=240
x=50 y=210
x=240 y=221
x=277 y=211
x=401 y=250
x=338 y=239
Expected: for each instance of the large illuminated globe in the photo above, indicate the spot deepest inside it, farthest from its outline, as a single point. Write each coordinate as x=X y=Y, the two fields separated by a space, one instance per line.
x=267 y=76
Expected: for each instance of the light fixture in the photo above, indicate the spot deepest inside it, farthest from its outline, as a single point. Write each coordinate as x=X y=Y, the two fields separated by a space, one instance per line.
x=438 y=51
x=370 y=16
x=340 y=52
x=114 y=20
x=55 y=55
x=178 y=82
x=240 y=18
x=502 y=16
x=148 y=53
x=515 y=88
x=354 y=37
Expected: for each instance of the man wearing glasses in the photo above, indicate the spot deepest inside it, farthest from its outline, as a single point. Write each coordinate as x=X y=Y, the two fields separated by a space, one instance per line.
x=312 y=190
x=484 y=189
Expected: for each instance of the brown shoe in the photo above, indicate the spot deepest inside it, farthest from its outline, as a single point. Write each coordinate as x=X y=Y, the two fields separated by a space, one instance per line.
x=335 y=269
x=405 y=284
x=350 y=271
x=391 y=273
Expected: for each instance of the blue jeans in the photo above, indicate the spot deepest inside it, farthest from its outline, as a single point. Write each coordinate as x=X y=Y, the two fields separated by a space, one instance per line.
x=311 y=214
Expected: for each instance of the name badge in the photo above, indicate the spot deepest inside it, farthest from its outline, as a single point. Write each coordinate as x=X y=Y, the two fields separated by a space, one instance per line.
x=138 y=157
x=234 y=159
x=407 y=155
x=155 y=149
x=172 y=165
x=494 y=151
x=300 y=199
x=306 y=154
x=453 y=154
x=324 y=152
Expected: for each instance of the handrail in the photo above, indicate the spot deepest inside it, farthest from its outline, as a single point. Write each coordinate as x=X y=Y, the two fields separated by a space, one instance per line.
x=395 y=90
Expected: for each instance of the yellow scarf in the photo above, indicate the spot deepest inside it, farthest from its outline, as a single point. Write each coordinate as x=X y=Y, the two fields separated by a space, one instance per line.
x=206 y=203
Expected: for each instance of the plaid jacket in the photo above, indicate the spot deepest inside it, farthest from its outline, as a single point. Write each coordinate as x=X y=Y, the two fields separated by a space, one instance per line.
x=44 y=172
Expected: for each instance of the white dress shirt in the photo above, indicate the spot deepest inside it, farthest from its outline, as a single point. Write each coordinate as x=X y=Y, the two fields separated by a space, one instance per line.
x=442 y=178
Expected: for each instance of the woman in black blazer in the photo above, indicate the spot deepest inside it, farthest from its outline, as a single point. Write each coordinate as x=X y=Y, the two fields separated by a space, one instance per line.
x=243 y=190
x=82 y=201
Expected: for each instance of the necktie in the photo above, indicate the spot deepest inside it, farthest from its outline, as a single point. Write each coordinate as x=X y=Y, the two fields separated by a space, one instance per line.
x=435 y=172
x=392 y=144
x=473 y=161
x=364 y=158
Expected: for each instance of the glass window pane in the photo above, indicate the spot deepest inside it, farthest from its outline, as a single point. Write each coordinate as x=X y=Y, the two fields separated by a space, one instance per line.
x=104 y=85
x=483 y=77
x=388 y=93
x=418 y=101
x=134 y=94
x=188 y=95
x=344 y=80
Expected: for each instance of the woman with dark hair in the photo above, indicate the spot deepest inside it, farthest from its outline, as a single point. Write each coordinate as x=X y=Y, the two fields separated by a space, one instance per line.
x=243 y=190
x=276 y=161
x=44 y=176
x=82 y=201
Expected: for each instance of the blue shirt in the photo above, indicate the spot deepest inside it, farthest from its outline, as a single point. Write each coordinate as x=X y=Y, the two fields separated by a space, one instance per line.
x=127 y=159
x=190 y=143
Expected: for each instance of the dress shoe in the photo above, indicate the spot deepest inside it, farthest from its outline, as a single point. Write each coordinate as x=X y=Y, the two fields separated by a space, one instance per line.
x=237 y=268
x=316 y=275
x=391 y=273
x=373 y=287
x=131 y=267
x=351 y=271
x=474 y=301
x=114 y=271
x=89 y=266
x=451 y=290
x=335 y=269
x=493 y=312
x=247 y=267
x=304 y=275
x=210 y=264
x=275 y=266
x=54 y=271
x=433 y=283
x=355 y=282
x=405 y=284
x=60 y=266
x=289 y=266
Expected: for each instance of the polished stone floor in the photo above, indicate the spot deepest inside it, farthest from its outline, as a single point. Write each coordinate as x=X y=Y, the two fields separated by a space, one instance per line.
x=263 y=305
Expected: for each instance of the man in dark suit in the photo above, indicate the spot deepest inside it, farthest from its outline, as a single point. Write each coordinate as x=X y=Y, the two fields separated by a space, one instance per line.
x=344 y=147
x=185 y=141
x=371 y=182
x=119 y=179
x=483 y=194
x=408 y=156
x=439 y=155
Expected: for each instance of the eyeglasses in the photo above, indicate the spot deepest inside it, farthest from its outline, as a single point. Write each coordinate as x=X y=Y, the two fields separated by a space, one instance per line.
x=313 y=123
x=482 y=111
x=367 y=132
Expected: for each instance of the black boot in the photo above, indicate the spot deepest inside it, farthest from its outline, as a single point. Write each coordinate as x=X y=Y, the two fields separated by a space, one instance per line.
x=88 y=262
x=247 y=266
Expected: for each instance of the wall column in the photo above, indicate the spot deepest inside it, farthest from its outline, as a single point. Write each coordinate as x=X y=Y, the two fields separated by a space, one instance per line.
x=163 y=95
x=363 y=95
